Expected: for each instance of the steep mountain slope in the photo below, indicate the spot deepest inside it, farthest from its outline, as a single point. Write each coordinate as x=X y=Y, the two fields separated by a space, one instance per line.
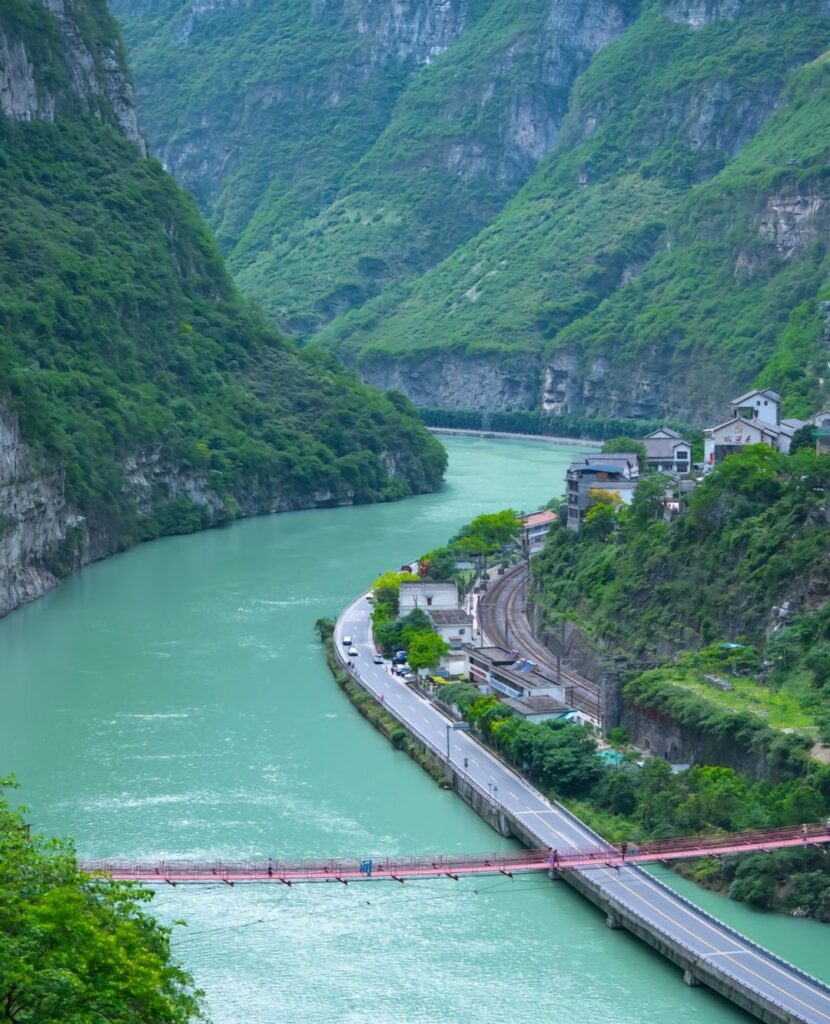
x=364 y=141
x=652 y=263
x=139 y=394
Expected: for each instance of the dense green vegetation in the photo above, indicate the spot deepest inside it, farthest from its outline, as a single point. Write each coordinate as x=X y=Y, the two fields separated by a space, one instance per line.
x=77 y=948
x=629 y=802
x=122 y=338
x=526 y=421
x=650 y=237
x=656 y=208
x=750 y=537
x=315 y=201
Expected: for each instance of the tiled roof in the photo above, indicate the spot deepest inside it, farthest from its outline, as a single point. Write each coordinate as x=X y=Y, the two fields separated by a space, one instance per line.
x=449 y=616
x=540 y=518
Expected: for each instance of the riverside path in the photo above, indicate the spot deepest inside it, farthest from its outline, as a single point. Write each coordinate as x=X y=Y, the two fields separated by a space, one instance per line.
x=708 y=951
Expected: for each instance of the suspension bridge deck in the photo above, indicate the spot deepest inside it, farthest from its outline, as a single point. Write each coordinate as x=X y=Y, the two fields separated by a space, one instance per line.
x=455 y=867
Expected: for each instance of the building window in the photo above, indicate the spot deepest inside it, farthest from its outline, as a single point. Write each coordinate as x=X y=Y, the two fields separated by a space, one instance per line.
x=429 y=599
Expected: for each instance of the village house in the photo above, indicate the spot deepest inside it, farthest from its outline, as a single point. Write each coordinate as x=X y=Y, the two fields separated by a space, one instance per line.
x=529 y=690
x=756 y=419
x=668 y=452
x=535 y=527
x=595 y=473
x=425 y=595
x=456 y=627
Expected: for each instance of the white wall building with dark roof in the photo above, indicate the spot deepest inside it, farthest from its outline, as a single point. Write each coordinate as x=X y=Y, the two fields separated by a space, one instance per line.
x=668 y=452
x=425 y=595
x=756 y=419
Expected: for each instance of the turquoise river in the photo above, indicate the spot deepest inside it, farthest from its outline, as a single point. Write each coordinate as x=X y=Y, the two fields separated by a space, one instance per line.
x=173 y=701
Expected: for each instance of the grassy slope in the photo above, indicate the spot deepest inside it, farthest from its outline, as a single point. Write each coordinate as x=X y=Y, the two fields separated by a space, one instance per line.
x=538 y=278
x=121 y=332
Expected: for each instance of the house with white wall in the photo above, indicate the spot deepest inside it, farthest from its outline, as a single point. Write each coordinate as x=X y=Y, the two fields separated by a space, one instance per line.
x=756 y=419
x=426 y=595
x=535 y=527
x=668 y=452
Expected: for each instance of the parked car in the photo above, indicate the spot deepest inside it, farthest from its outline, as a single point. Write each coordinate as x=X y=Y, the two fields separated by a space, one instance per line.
x=352 y=652
x=378 y=659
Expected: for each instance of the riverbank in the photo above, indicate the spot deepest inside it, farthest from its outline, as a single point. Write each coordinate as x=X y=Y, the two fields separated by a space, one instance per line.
x=398 y=735
x=504 y=435
x=708 y=951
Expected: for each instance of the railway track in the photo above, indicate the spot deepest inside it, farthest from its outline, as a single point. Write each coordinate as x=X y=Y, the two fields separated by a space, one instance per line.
x=504 y=623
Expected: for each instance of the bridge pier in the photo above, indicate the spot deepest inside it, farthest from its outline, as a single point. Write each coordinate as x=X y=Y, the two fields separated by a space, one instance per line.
x=690 y=979
x=613 y=921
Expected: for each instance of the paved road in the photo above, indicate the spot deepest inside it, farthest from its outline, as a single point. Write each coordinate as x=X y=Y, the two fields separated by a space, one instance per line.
x=705 y=938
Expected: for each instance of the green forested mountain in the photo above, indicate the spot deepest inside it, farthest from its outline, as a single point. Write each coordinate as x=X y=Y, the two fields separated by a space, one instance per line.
x=139 y=394
x=735 y=586
x=591 y=206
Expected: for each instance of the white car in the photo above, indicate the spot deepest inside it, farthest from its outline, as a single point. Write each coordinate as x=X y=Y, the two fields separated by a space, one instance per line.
x=352 y=652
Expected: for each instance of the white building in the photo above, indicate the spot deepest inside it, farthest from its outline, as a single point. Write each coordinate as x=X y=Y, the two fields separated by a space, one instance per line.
x=535 y=527
x=453 y=624
x=668 y=452
x=756 y=419
x=427 y=594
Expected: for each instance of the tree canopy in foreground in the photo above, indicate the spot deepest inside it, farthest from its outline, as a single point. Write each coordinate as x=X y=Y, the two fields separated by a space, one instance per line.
x=76 y=949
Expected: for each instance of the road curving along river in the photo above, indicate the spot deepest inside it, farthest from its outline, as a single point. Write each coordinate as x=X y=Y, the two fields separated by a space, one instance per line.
x=173 y=701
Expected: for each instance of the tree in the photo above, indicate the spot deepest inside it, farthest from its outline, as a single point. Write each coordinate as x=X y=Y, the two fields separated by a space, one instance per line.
x=647 y=505
x=386 y=588
x=600 y=521
x=74 y=947
x=804 y=437
x=441 y=564
x=426 y=650
x=488 y=533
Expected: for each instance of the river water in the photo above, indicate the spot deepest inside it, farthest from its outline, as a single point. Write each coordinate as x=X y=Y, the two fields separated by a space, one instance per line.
x=173 y=701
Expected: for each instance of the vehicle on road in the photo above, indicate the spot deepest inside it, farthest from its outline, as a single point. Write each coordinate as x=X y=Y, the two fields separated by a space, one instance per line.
x=347 y=641
x=353 y=652
x=378 y=659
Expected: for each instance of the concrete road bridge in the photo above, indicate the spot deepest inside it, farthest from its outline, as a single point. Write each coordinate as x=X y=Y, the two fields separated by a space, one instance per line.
x=707 y=951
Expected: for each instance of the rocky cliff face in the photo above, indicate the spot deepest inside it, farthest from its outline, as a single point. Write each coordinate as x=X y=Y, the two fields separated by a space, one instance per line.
x=44 y=538
x=451 y=380
x=81 y=71
x=35 y=519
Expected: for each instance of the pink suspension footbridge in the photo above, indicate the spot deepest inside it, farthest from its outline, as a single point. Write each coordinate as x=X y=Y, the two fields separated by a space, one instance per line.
x=401 y=869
